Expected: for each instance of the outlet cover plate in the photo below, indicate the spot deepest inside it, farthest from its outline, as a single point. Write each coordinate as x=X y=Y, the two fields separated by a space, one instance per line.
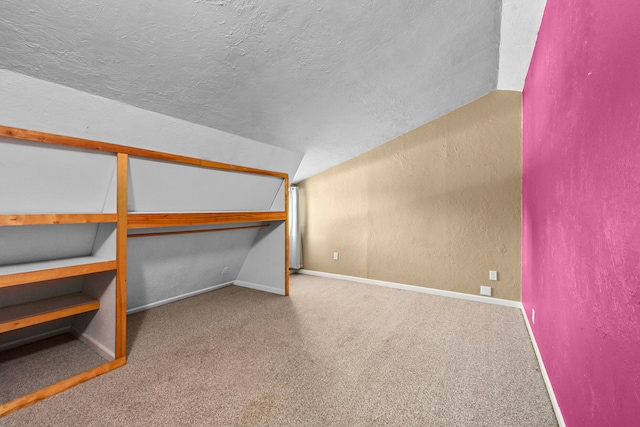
x=485 y=290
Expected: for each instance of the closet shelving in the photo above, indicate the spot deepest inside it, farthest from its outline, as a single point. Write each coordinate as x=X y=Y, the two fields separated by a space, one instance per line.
x=110 y=310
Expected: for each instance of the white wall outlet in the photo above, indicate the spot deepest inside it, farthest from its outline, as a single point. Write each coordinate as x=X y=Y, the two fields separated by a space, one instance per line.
x=485 y=290
x=533 y=316
x=493 y=275
x=224 y=270
x=335 y=255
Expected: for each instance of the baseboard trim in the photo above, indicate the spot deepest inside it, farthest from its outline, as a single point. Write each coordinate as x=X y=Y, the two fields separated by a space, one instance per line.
x=34 y=338
x=177 y=298
x=431 y=291
x=543 y=370
x=94 y=344
x=259 y=287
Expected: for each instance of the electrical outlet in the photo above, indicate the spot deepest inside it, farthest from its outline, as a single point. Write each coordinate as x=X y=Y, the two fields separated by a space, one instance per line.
x=224 y=270
x=485 y=290
x=335 y=255
x=493 y=275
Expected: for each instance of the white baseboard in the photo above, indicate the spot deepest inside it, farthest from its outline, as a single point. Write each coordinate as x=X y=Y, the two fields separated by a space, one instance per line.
x=177 y=298
x=258 y=287
x=95 y=345
x=431 y=291
x=543 y=370
x=34 y=338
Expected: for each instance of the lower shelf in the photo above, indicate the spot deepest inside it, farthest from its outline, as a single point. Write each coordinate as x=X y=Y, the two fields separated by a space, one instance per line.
x=33 y=313
x=41 y=369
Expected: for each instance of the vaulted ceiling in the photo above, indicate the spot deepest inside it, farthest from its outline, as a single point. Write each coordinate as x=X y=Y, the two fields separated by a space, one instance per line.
x=330 y=79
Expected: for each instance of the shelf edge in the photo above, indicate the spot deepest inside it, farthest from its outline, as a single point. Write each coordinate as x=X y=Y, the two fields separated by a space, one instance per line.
x=48 y=219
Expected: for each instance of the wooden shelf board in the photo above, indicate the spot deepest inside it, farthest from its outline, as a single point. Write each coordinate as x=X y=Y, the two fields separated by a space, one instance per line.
x=12 y=275
x=56 y=218
x=33 y=313
x=213 y=230
x=149 y=220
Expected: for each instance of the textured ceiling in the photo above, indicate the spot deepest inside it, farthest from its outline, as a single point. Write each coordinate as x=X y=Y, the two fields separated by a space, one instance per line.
x=330 y=79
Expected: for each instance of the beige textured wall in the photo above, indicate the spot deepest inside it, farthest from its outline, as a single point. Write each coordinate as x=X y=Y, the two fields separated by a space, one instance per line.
x=437 y=207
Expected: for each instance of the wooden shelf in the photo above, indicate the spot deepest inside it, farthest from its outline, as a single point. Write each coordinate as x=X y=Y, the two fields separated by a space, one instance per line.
x=12 y=275
x=150 y=220
x=45 y=219
x=33 y=313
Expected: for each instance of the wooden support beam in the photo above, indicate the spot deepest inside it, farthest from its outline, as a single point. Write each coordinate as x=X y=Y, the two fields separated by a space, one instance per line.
x=121 y=255
x=168 y=233
x=286 y=236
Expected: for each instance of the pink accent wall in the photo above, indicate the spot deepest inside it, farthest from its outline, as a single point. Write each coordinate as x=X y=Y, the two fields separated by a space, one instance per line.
x=581 y=207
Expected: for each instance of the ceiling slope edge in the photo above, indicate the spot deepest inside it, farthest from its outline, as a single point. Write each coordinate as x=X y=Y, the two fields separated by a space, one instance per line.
x=519 y=28
x=31 y=103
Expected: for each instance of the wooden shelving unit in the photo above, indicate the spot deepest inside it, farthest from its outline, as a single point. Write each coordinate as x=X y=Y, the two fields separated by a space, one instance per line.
x=102 y=296
x=111 y=313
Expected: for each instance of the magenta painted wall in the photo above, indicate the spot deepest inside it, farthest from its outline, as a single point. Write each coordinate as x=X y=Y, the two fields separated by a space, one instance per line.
x=581 y=207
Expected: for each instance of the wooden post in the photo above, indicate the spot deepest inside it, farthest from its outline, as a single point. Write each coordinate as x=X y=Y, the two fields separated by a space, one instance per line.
x=286 y=235
x=121 y=256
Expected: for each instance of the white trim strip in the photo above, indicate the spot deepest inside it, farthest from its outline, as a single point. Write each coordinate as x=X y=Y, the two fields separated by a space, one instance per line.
x=176 y=298
x=92 y=343
x=440 y=292
x=543 y=370
x=258 y=287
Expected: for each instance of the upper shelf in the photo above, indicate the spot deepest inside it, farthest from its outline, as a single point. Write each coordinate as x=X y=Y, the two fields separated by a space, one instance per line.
x=12 y=275
x=44 y=219
x=149 y=220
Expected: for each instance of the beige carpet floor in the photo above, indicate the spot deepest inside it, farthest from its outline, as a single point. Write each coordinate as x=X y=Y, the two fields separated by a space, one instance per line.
x=334 y=353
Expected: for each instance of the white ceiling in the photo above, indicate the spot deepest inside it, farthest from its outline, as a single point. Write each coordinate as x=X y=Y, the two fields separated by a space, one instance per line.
x=330 y=79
